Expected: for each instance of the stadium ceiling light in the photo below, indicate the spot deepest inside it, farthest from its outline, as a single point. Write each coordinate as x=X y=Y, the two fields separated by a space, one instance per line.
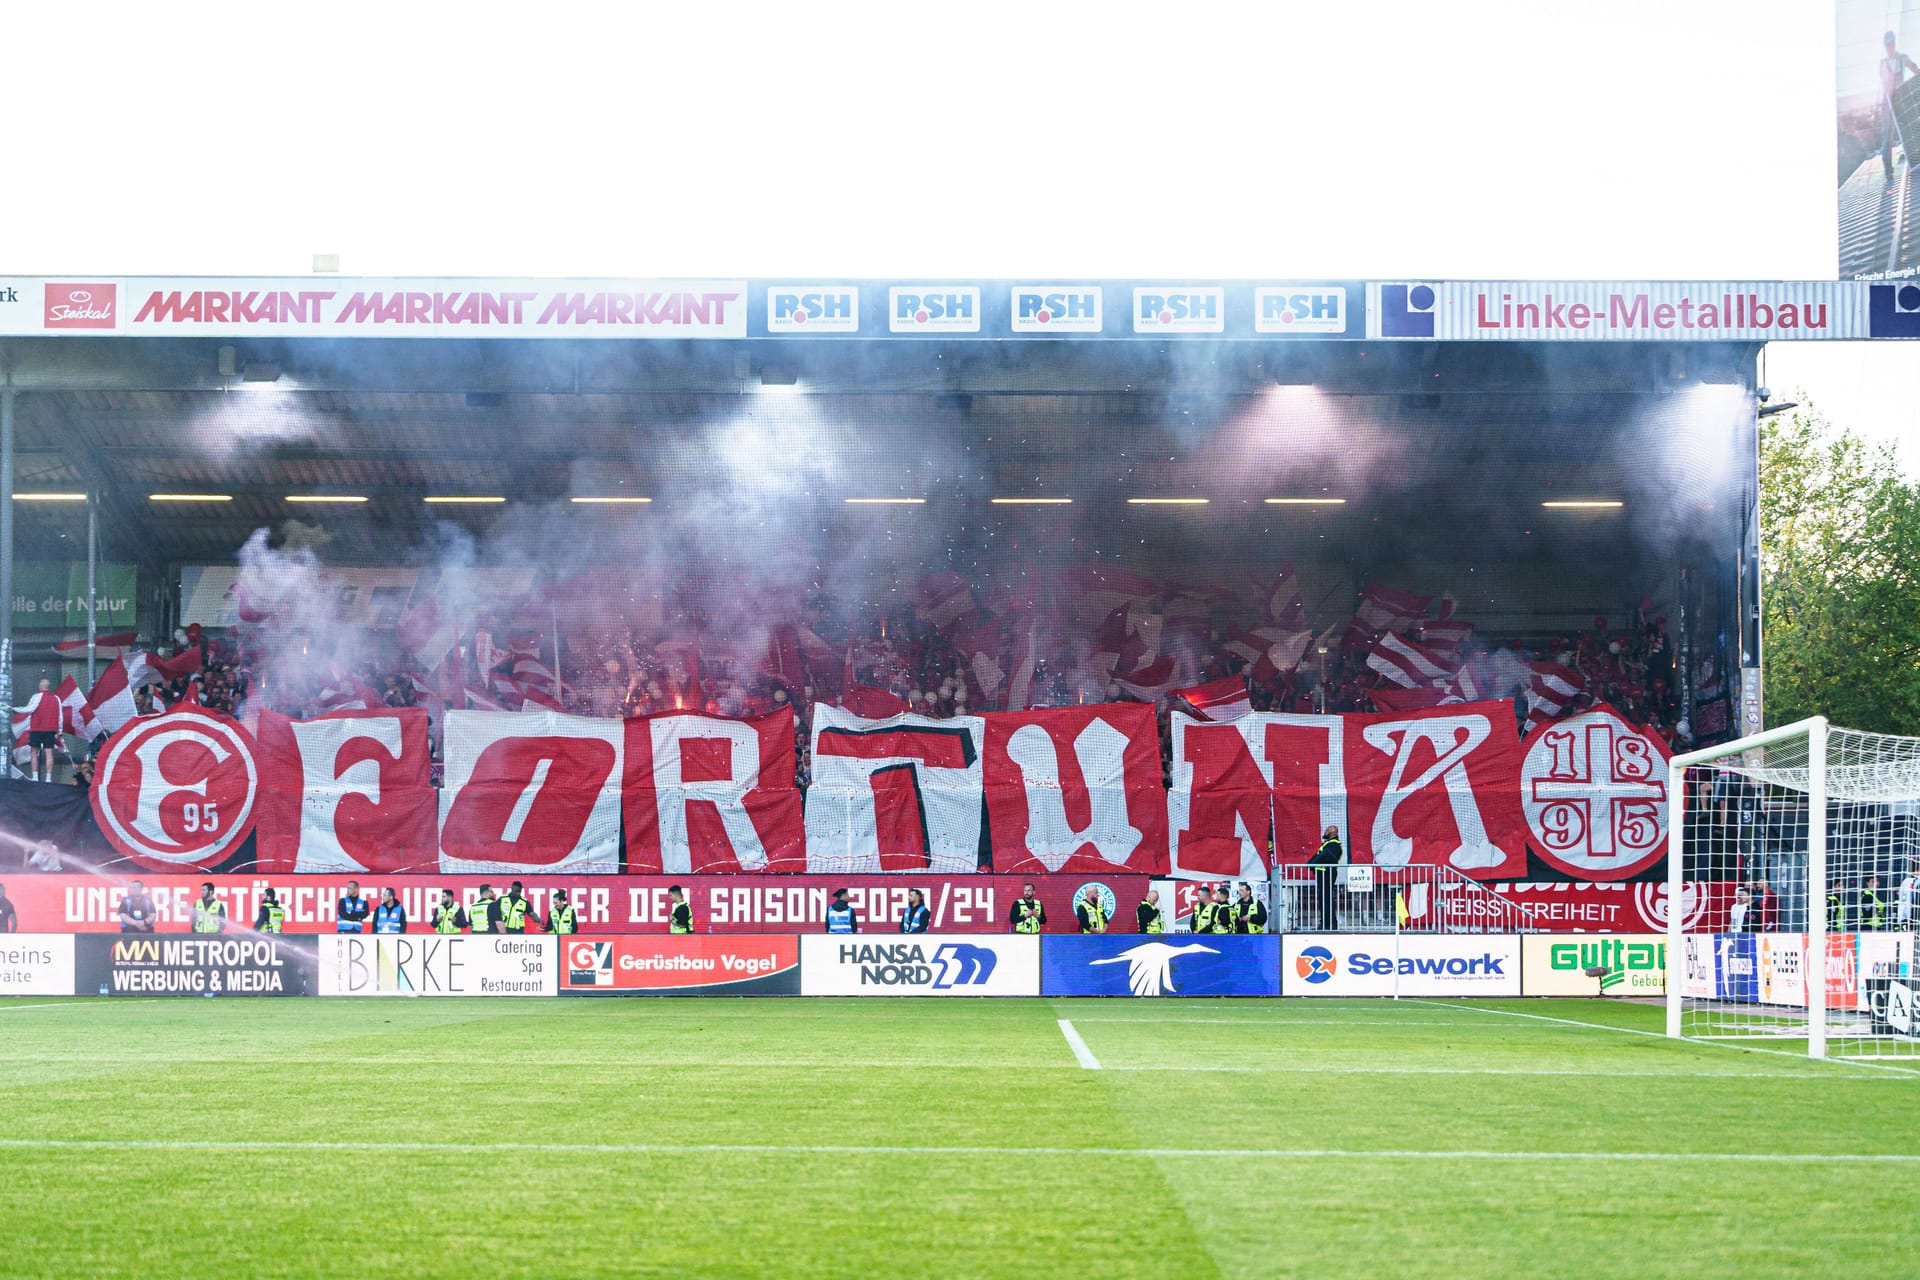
x=885 y=502
x=49 y=497
x=325 y=497
x=1306 y=502
x=458 y=499
x=1168 y=502
x=1586 y=504
x=608 y=500
x=189 y=497
x=1031 y=502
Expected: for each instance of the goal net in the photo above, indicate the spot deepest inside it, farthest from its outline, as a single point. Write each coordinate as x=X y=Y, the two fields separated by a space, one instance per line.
x=1796 y=855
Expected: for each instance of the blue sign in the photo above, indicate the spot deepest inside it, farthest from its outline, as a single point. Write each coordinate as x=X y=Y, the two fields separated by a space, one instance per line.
x=1163 y=964
x=1736 y=967
x=1066 y=308
x=1893 y=311
x=1406 y=310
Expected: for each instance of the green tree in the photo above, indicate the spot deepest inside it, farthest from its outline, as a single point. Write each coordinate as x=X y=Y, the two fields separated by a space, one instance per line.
x=1840 y=578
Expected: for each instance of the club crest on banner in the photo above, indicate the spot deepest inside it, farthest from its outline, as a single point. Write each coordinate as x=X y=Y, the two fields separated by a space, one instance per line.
x=1593 y=789
x=177 y=791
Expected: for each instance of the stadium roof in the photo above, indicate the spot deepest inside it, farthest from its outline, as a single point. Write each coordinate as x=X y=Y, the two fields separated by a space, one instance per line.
x=396 y=421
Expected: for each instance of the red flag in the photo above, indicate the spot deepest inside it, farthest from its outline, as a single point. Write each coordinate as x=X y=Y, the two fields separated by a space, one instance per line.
x=184 y=663
x=115 y=640
x=1391 y=699
x=872 y=704
x=782 y=661
x=1218 y=700
x=941 y=599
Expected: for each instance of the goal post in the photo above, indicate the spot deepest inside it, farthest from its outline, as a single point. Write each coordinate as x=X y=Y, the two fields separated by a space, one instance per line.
x=1791 y=882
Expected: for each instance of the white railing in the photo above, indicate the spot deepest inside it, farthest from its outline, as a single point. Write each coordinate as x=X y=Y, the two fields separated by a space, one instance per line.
x=1368 y=899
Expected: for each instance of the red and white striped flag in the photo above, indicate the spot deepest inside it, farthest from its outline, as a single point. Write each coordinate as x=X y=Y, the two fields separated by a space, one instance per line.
x=1382 y=609
x=107 y=646
x=110 y=702
x=1270 y=650
x=1151 y=682
x=1219 y=700
x=1553 y=687
x=1408 y=664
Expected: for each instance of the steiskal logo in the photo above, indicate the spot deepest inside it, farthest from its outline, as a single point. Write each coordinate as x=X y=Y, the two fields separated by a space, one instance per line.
x=88 y=305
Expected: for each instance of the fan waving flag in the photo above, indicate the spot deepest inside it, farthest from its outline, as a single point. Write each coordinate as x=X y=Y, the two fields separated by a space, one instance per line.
x=873 y=704
x=107 y=646
x=1382 y=609
x=1153 y=681
x=1408 y=664
x=110 y=702
x=1218 y=700
x=1552 y=688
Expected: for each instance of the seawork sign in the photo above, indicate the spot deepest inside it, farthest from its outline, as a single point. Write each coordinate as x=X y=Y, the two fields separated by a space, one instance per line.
x=193 y=965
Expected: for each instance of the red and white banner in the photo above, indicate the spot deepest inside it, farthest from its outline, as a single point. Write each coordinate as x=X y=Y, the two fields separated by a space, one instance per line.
x=1575 y=906
x=708 y=795
x=350 y=791
x=177 y=791
x=1073 y=790
x=1437 y=787
x=968 y=903
x=531 y=790
x=1076 y=790
x=1593 y=790
x=901 y=794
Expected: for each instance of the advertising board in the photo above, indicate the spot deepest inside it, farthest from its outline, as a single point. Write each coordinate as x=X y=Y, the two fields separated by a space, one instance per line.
x=843 y=965
x=439 y=965
x=1367 y=964
x=1132 y=965
x=36 y=964
x=147 y=964
x=737 y=904
x=1635 y=964
x=680 y=965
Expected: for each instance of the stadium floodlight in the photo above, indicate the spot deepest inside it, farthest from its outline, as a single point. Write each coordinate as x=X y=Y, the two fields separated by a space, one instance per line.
x=1031 y=502
x=1585 y=504
x=608 y=500
x=885 y=502
x=1792 y=859
x=457 y=499
x=1306 y=502
x=326 y=497
x=1168 y=502
x=189 y=497
x=49 y=497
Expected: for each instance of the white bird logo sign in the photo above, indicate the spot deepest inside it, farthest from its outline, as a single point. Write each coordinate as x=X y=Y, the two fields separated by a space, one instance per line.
x=1150 y=965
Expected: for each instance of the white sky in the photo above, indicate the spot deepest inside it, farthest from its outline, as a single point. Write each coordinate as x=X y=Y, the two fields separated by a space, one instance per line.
x=1463 y=138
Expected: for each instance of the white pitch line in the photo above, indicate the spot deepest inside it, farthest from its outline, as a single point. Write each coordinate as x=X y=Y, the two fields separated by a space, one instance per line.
x=1079 y=1046
x=1661 y=1035
x=51 y=1004
x=1281 y=1023
x=1488 y=1071
x=853 y=1149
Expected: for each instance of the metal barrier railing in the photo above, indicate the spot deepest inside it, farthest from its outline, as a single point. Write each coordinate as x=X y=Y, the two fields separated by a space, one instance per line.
x=1364 y=898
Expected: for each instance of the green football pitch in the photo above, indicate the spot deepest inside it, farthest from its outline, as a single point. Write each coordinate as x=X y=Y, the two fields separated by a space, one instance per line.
x=935 y=1137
